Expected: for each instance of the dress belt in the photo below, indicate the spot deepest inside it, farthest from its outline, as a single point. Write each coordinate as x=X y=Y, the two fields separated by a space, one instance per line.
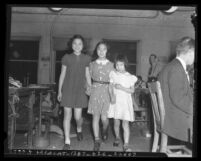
x=100 y=82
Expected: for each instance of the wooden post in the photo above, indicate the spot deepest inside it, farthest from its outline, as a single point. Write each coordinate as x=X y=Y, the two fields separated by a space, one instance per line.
x=31 y=122
x=40 y=116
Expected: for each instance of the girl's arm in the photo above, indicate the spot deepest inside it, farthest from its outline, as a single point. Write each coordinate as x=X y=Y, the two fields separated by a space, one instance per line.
x=61 y=78
x=111 y=87
x=128 y=90
x=88 y=76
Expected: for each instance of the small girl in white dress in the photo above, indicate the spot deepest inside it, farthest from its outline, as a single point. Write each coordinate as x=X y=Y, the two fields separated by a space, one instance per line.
x=122 y=84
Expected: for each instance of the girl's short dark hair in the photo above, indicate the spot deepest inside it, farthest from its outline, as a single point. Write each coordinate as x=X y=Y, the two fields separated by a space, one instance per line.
x=121 y=58
x=95 y=54
x=70 y=42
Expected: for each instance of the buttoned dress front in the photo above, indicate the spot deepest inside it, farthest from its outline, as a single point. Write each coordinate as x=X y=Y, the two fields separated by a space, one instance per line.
x=99 y=100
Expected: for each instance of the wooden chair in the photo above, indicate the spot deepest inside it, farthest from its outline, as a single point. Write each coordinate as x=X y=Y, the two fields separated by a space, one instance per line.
x=158 y=116
x=140 y=109
x=11 y=122
x=46 y=111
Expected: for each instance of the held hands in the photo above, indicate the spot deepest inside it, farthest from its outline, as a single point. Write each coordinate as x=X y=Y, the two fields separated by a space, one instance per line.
x=118 y=86
x=88 y=90
x=112 y=95
x=59 y=96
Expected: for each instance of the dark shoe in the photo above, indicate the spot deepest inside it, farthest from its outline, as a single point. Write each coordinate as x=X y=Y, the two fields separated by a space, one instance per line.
x=105 y=135
x=66 y=147
x=126 y=148
x=97 y=145
x=79 y=136
x=116 y=142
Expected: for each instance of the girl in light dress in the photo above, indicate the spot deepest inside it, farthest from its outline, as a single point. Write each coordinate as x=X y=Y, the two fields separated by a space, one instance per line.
x=122 y=84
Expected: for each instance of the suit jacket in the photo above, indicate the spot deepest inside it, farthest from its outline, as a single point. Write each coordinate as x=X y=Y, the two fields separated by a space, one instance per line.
x=154 y=72
x=178 y=101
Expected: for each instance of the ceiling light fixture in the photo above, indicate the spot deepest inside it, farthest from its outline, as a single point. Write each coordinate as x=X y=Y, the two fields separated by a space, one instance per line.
x=54 y=9
x=170 y=10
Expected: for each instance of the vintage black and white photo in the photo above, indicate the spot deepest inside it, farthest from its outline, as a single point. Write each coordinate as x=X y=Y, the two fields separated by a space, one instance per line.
x=102 y=78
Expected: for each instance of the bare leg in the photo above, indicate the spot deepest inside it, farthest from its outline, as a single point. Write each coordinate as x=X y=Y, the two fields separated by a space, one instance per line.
x=105 y=122
x=126 y=129
x=67 y=124
x=95 y=125
x=116 y=128
x=78 y=118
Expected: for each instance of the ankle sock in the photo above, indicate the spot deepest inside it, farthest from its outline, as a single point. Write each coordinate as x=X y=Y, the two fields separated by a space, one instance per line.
x=67 y=141
x=79 y=129
x=97 y=138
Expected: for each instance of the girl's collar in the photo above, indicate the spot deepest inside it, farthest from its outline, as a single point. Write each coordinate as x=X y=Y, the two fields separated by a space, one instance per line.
x=125 y=73
x=103 y=62
x=77 y=54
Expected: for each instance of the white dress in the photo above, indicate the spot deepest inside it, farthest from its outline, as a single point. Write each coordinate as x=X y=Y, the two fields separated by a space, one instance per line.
x=123 y=108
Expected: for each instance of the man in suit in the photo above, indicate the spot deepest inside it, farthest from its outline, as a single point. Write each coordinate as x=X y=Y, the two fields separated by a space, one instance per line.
x=155 y=68
x=177 y=95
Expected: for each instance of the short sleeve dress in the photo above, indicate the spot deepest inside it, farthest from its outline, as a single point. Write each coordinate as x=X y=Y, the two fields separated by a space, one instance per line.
x=73 y=89
x=123 y=107
x=99 y=100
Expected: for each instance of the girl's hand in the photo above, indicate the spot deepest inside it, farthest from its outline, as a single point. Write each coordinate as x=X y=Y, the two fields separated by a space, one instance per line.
x=88 y=89
x=118 y=86
x=59 y=96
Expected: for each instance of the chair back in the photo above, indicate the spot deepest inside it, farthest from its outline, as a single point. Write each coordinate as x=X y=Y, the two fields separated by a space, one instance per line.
x=158 y=109
x=157 y=104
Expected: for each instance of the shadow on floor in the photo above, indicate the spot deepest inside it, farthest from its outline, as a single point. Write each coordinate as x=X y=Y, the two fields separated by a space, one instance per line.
x=138 y=141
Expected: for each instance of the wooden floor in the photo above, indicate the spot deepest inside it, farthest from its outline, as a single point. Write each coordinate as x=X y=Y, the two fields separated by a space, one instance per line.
x=138 y=141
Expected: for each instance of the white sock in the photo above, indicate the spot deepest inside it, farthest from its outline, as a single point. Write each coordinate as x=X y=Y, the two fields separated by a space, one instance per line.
x=79 y=129
x=67 y=141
